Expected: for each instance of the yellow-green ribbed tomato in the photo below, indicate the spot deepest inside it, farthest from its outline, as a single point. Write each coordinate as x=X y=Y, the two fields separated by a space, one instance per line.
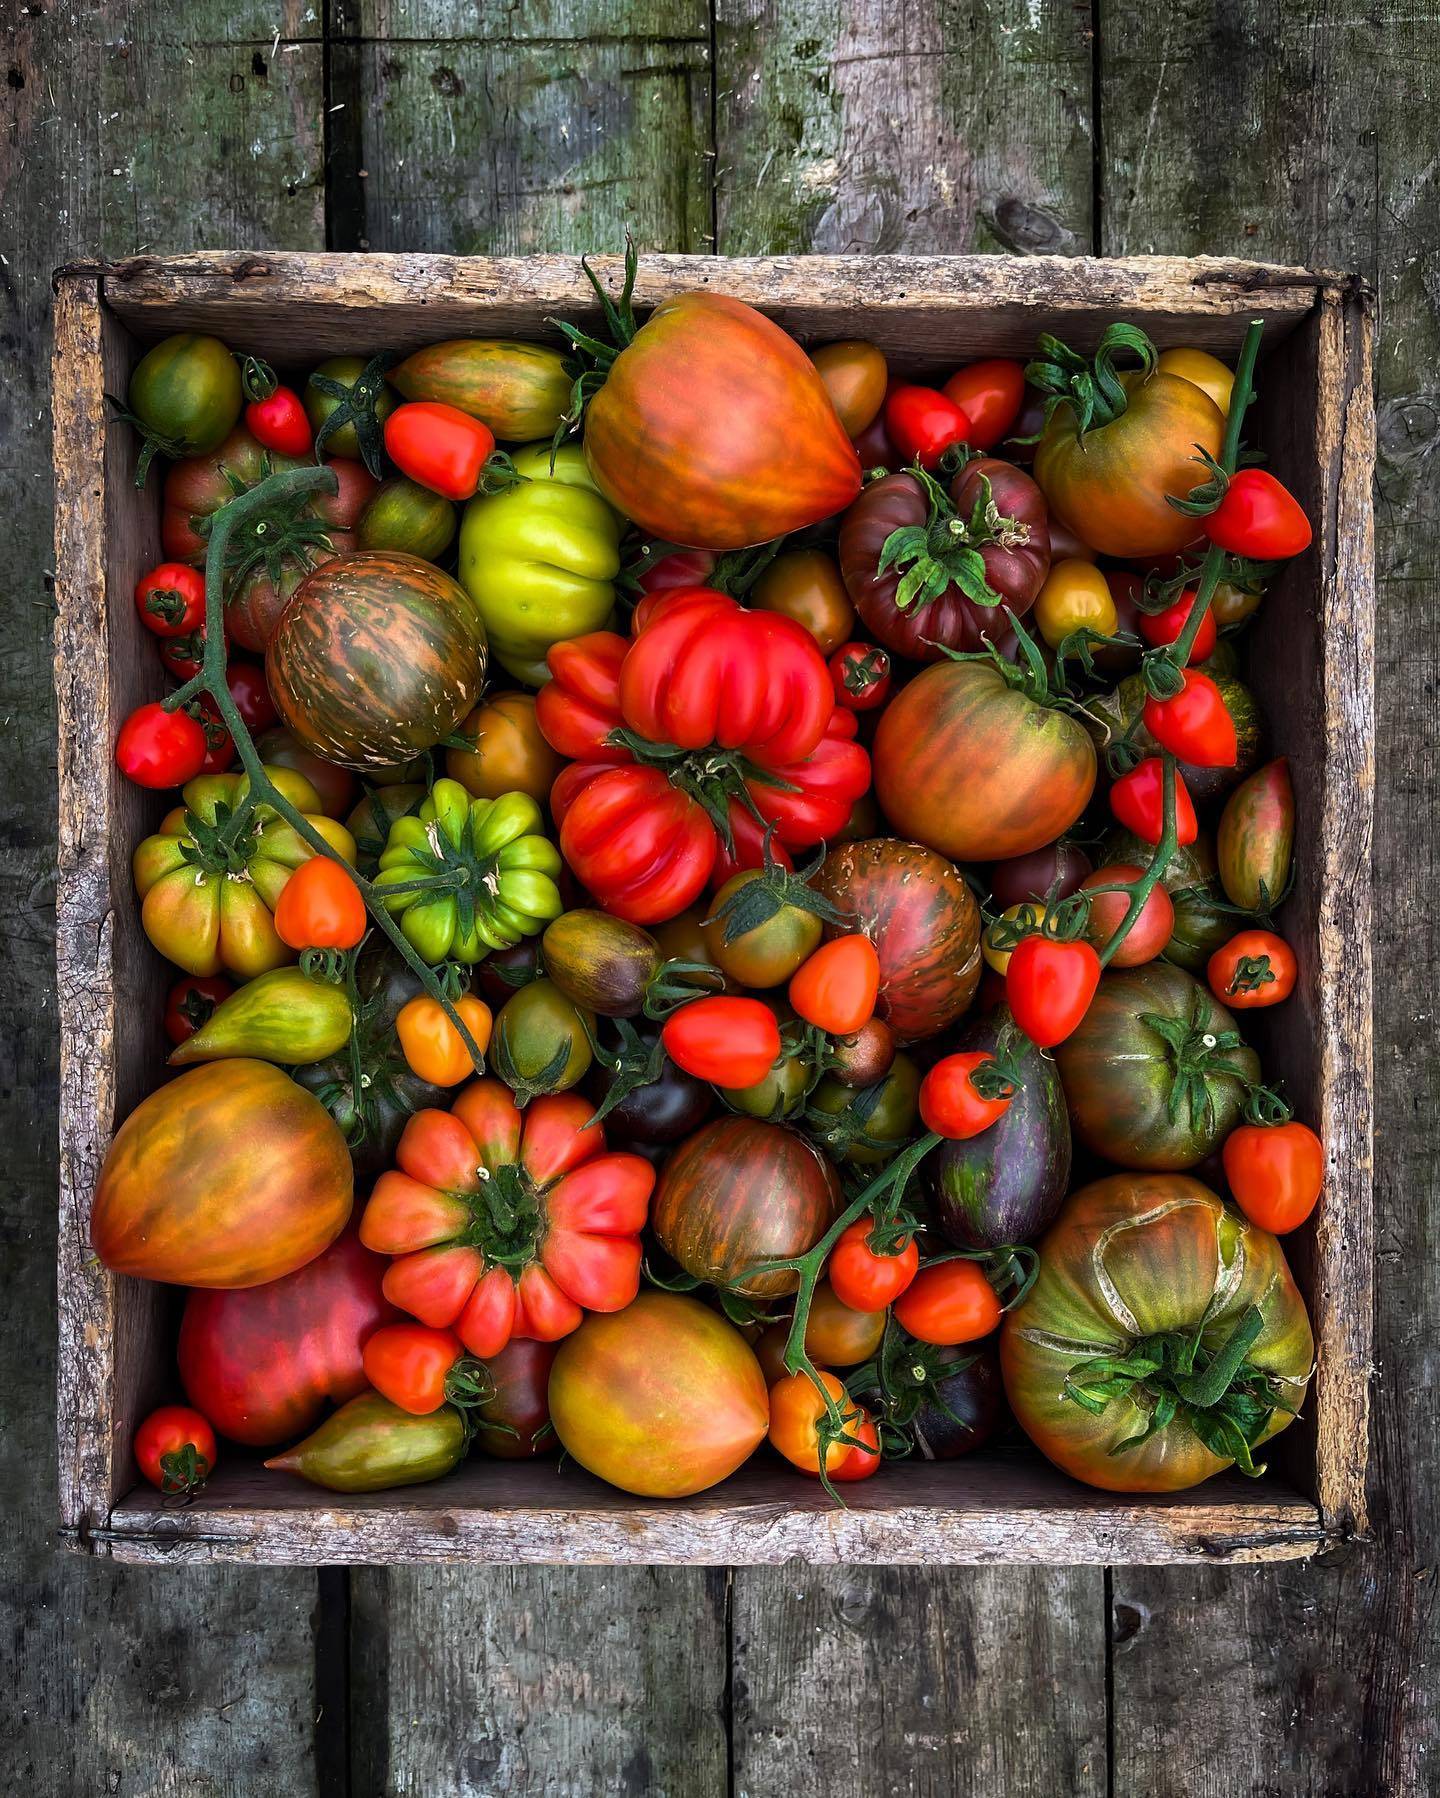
x=540 y=559
x=493 y=871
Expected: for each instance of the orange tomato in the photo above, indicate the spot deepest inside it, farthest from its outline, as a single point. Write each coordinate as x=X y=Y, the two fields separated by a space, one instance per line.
x=1075 y=597
x=509 y=755
x=1275 y=1173
x=837 y=987
x=433 y=1048
x=949 y=1302
x=797 y=1407
x=320 y=907
x=805 y=584
x=1202 y=370
x=855 y=377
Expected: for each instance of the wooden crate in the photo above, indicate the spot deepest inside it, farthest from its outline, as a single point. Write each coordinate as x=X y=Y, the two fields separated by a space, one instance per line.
x=1311 y=661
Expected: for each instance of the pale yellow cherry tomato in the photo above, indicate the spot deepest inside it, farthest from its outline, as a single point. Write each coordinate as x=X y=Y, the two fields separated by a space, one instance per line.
x=1201 y=370
x=1028 y=913
x=1075 y=597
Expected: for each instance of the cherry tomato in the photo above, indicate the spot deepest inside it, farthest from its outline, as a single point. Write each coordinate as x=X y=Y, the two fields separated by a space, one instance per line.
x=1166 y=626
x=280 y=423
x=191 y=1002
x=861 y=673
x=320 y=907
x=796 y=1407
x=1253 y=970
x=251 y=693
x=923 y=423
x=951 y=1106
x=157 y=748
x=1194 y=724
x=990 y=395
x=1258 y=518
x=1075 y=597
x=1138 y=801
x=410 y=1363
x=433 y=1048
x=805 y=584
x=836 y=988
x=863 y=1457
x=183 y=656
x=948 y=1303
x=171 y=599
x=864 y=1279
x=1028 y=912
x=1150 y=932
x=439 y=446
x=1275 y=1173
x=219 y=746
x=855 y=377
x=732 y=1042
x=175 y=1450
x=837 y=1334
x=1049 y=986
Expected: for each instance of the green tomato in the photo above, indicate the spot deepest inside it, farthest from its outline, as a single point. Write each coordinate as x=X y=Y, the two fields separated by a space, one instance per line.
x=185 y=396
x=347 y=370
x=540 y=559
x=865 y=1127
x=404 y=515
x=542 y=1041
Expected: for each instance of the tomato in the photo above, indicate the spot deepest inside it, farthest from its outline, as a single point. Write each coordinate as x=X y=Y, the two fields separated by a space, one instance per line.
x=865 y=1279
x=663 y=1399
x=1138 y=801
x=1075 y=597
x=279 y=422
x=1165 y=626
x=509 y=754
x=542 y=1041
x=965 y=1404
x=248 y=688
x=403 y=515
x=838 y=1334
x=855 y=377
x=230 y=1175
x=157 y=748
x=1058 y=868
x=1122 y=713
x=334 y=787
x=949 y=1302
x=171 y=599
x=601 y=962
x=653 y=1117
x=191 y=1002
x=732 y=1042
x=320 y=907
x=1258 y=518
x=1275 y=1172
x=508 y=1224
x=923 y=423
x=175 y=1450
x=1256 y=968
x=1150 y=932
x=347 y=402
x=952 y=1105
x=1202 y=370
x=370 y=1445
x=521 y=390
x=433 y=1048
x=836 y=989
x=1143 y=1277
x=410 y=1365
x=675 y=568
x=219 y=748
x=184 y=397
x=864 y=1456
x=283 y=1015
x=1194 y=724
x=864 y=1056
x=513 y=1423
x=798 y=1420
x=183 y=656
x=990 y=395
x=866 y=1126
x=1028 y=912
x=861 y=676
x=768 y=952
x=1256 y=838
x=1049 y=985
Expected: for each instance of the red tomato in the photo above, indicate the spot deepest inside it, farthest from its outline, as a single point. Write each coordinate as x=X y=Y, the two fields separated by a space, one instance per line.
x=949 y=1302
x=1254 y=969
x=949 y=1102
x=1275 y=1173
x=642 y=847
x=860 y=673
x=732 y=1042
x=836 y=988
x=863 y=1456
x=410 y=1363
x=1166 y=626
x=1150 y=932
x=175 y=1450
x=1194 y=725
x=1258 y=517
x=990 y=395
x=251 y=693
x=1138 y=801
x=439 y=446
x=863 y=1279
x=320 y=907
x=797 y=1407
x=280 y=423
x=157 y=748
x=183 y=656
x=681 y=568
x=191 y=1002
x=219 y=749
x=1049 y=986
x=171 y=599
x=923 y=423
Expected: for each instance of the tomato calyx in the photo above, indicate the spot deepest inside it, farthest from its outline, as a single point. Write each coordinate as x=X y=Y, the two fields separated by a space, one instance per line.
x=356 y=405
x=183 y=1472
x=902 y=1381
x=1092 y=388
x=631 y=1064
x=1252 y=972
x=944 y=552
x=593 y=357
x=508 y=1221
x=712 y=776
x=258 y=380
x=755 y=902
x=1196 y=1053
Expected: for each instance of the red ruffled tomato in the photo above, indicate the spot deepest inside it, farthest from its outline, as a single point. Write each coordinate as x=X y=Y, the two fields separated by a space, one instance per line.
x=732 y=1042
x=410 y=1363
x=191 y=1002
x=1049 y=986
x=171 y=599
x=836 y=988
x=990 y=394
x=320 y=907
x=157 y=748
x=1165 y=627
x=1138 y=801
x=951 y=1106
x=864 y=1279
x=439 y=447
x=860 y=673
x=1194 y=724
x=923 y=423
x=1258 y=518
x=175 y=1450
x=949 y=1302
x=1256 y=968
x=1275 y=1173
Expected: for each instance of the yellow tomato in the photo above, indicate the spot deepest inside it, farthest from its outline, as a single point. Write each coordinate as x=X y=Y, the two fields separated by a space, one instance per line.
x=1075 y=596
x=996 y=957
x=1201 y=370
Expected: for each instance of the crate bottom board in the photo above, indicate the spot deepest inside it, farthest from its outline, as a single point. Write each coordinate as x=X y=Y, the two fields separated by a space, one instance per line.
x=1002 y=1506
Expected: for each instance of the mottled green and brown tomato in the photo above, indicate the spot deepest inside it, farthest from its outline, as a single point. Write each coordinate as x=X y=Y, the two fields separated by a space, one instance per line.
x=521 y=390
x=509 y=755
x=541 y=1042
x=403 y=515
x=1256 y=838
x=662 y=1399
x=1201 y=922
x=185 y=395
x=805 y=584
x=1156 y=1074
x=864 y=1126
x=740 y=1192
x=199 y=485
x=319 y=406
x=855 y=377
x=770 y=952
x=976 y=768
x=601 y=962
x=1134 y=1266
x=371 y=1445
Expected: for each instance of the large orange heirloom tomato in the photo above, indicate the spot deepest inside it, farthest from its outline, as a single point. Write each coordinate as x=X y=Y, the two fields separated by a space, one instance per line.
x=506 y=1224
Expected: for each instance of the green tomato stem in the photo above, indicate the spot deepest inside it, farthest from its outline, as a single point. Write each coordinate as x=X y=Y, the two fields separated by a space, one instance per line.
x=1140 y=890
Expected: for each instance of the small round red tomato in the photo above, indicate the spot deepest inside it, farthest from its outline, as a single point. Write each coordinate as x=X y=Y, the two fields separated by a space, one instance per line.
x=1138 y=801
x=864 y=1279
x=171 y=599
x=949 y=1302
x=1275 y=1173
x=950 y=1103
x=990 y=395
x=279 y=421
x=732 y=1042
x=1258 y=518
x=1254 y=969
x=1049 y=986
x=923 y=423
x=157 y=748
x=183 y=656
x=797 y=1409
x=433 y=1048
x=1150 y=932
x=1194 y=724
x=410 y=1363
x=439 y=447
x=1165 y=627
x=320 y=907
x=863 y=1456
x=219 y=746
x=191 y=1003
x=175 y=1450
x=837 y=987
x=251 y=693
x=861 y=673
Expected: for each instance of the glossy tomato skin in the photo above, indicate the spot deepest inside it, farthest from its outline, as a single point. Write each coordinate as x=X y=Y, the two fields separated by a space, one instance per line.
x=159 y=749
x=659 y=1114
x=730 y=1041
x=1193 y=724
x=1256 y=837
x=863 y=1278
x=1150 y=932
x=371 y=1445
x=191 y=1002
x=246 y=681
x=279 y=422
x=264 y=1363
x=642 y=847
x=171 y=599
x=1259 y=518
x=1137 y=800
x=438 y=446
x=1201 y=924
x=855 y=377
x=950 y=1103
x=410 y=1364
x=1165 y=626
x=1060 y=867
x=335 y=785
x=837 y=987
x=923 y=423
x=662 y=1399
x=990 y=394
x=175 y=1450
x=695 y=432
x=967 y=1404
x=1255 y=969
x=510 y=754
x=1132 y=1256
x=949 y=1303
x=805 y=584
x=768 y=953
x=320 y=907
x=513 y=1424
x=797 y=1405
x=1275 y=1173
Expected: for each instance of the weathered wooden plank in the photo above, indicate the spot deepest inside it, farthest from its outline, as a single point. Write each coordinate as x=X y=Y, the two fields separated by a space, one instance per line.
x=113 y=1684
x=1322 y=1660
